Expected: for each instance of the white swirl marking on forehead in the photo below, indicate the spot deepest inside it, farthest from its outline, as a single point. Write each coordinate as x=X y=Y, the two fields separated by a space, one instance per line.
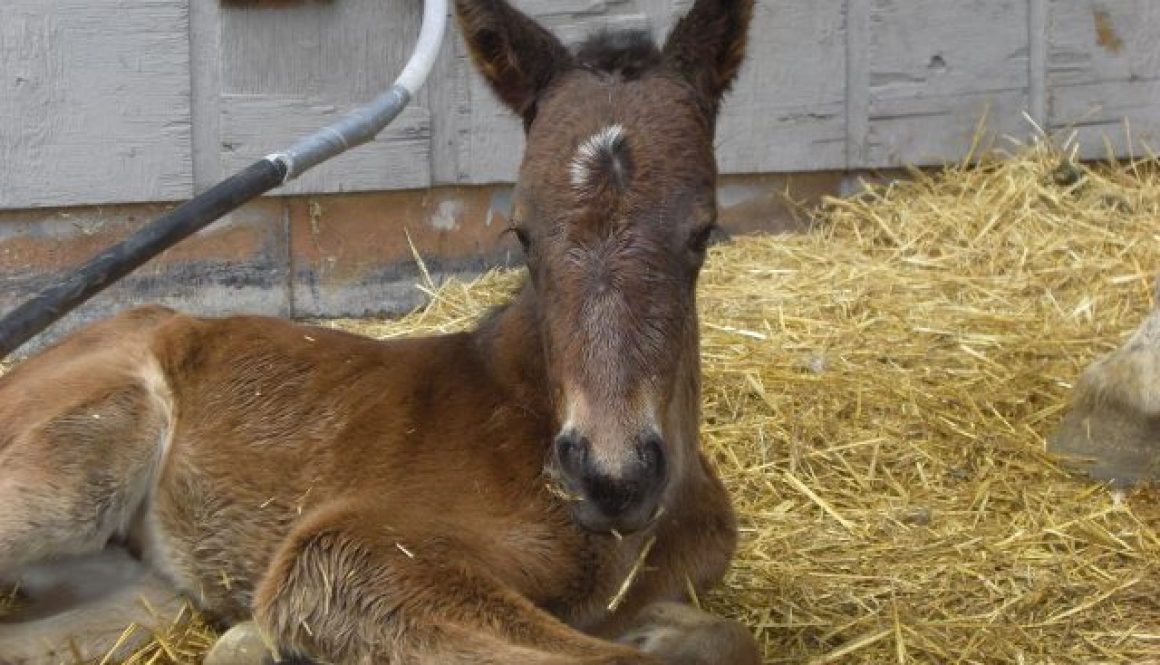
x=603 y=145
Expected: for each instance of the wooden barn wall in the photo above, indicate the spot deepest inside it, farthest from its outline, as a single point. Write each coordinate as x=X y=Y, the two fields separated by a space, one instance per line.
x=106 y=101
x=94 y=102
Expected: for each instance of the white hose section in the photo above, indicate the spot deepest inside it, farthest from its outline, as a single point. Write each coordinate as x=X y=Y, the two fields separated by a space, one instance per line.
x=365 y=123
x=427 y=48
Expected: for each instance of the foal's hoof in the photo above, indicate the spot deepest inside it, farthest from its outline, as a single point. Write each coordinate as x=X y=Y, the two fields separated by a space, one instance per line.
x=1112 y=430
x=683 y=635
x=241 y=645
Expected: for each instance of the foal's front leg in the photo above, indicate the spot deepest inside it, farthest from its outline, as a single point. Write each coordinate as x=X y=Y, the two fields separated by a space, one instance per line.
x=345 y=588
x=673 y=633
x=684 y=635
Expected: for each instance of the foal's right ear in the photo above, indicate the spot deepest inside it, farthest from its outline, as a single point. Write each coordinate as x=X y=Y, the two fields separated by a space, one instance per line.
x=708 y=44
x=515 y=54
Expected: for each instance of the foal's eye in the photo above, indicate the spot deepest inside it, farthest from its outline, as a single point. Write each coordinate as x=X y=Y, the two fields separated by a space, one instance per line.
x=700 y=238
x=522 y=236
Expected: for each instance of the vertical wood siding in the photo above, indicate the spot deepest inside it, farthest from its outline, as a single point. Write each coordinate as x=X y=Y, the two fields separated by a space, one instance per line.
x=94 y=102
x=103 y=101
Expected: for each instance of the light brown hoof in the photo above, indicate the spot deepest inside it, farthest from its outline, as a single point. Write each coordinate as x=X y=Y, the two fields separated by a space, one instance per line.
x=684 y=635
x=1112 y=428
x=240 y=645
x=1115 y=448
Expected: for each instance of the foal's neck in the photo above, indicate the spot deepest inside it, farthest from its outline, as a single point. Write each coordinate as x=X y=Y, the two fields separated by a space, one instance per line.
x=510 y=343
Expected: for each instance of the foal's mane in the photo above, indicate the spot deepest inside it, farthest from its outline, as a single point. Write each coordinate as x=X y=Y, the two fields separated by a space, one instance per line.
x=626 y=53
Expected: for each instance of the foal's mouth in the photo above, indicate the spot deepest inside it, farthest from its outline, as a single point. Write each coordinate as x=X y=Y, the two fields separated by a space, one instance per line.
x=557 y=489
x=585 y=513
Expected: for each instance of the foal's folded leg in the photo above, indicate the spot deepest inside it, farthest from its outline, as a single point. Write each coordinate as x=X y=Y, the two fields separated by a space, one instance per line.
x=342 y=589
x=244 y=644
x=684 y=635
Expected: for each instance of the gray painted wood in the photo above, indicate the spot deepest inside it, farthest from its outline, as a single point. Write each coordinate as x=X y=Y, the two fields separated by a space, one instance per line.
x=485 y=139
x=105 y=101
x=94 y=102
x=1103 y=73
x=444 y=100
x=205 y=33
x=398 y=158
x=289 y=69
x=788 y=106
x=1037 y=27
x=857 y=81
x=341 y=51
x=935 y=73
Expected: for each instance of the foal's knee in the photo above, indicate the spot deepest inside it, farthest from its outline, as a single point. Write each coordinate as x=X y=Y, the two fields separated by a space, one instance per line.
x=318 y=599
x=684 y=635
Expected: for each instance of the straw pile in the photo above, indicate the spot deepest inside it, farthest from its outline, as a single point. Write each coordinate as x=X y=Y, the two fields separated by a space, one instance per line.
x=877 y=395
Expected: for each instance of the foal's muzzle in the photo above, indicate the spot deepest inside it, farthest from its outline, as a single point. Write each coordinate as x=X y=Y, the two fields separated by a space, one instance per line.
x=603 y=497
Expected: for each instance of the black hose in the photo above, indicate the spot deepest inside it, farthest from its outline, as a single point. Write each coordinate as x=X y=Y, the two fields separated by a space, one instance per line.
x=22 y=323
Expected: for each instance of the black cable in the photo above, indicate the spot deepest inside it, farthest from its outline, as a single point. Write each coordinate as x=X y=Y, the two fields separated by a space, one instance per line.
x=22 y=323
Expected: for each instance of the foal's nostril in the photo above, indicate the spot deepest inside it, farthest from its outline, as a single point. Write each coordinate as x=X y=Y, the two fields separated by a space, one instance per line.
x=650 y=450
x=636 y=484
x=619 y=489
x=572 y=453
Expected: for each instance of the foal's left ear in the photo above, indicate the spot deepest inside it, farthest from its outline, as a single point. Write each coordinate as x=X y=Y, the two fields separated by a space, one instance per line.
x=517 y=56
x=708 y=45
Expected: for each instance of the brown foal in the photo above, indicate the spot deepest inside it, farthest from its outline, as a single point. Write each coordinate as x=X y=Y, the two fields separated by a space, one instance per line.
x=480 y=497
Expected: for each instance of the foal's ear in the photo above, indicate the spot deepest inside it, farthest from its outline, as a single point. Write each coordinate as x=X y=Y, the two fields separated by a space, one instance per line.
x=515 y=54
x=708 y=45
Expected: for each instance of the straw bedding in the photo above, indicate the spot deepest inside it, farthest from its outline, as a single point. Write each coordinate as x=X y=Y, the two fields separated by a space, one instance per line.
x=877 y=396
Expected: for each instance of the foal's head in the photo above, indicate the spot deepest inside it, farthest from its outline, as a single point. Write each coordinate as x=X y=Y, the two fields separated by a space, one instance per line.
x=614 y=205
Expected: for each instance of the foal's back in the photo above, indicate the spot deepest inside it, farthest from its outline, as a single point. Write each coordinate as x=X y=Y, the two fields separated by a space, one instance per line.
x=217 y=435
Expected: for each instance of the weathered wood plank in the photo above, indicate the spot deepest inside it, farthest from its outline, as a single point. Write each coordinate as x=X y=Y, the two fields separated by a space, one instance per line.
x=1104 y=74
x=1094 y=41
x=95 y=102
x=857 y=81
x=346 y=51
x=291 y=68
x=787 y=110
x=354 y=255
x=1037 y=61
x=253 y=126
x=936 y=70
x=240 y=264
x=933 y=130
x=1110 y=118
x=442 y=94
x=95 y=95
x=205 y=36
